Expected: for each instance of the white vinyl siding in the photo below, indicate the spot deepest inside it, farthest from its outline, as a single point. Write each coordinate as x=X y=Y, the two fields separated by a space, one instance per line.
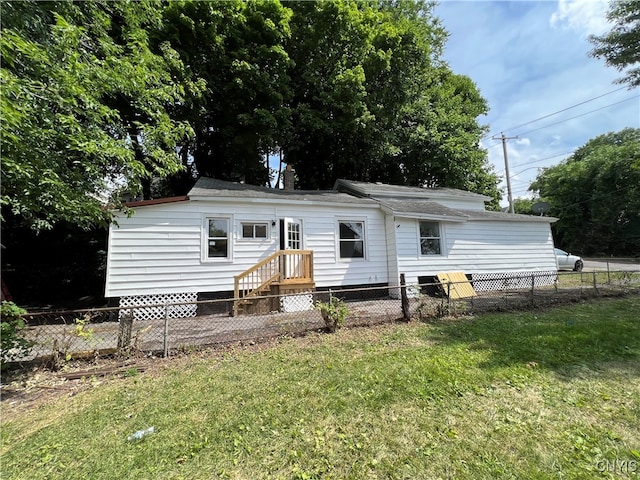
x=160 y=248
x=392 y=256
x=477 y=247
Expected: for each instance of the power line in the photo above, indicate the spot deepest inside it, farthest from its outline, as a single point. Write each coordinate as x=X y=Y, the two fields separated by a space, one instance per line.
x=581 y=115
x=522 y=171
x=494 y=145
x=559 y=111
x=540 y=160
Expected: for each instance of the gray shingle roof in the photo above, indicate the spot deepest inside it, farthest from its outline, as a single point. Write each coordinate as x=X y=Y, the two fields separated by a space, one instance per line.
x=386 y=190
x=420 y=207
x=513 y=217
x=213 y=188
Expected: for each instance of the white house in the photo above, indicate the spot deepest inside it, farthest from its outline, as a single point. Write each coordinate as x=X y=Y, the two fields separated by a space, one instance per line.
x=357 y=234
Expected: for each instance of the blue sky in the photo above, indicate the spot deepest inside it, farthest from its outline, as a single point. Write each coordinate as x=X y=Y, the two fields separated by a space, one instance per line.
x=529 y=60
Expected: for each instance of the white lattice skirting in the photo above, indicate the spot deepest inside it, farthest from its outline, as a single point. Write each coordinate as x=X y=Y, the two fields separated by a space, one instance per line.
x=139 y=306
x=483 y=282
x=297 y=303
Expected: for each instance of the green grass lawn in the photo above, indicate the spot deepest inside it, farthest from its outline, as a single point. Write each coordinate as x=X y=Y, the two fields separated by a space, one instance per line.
x=602 y=279
x=548 y=394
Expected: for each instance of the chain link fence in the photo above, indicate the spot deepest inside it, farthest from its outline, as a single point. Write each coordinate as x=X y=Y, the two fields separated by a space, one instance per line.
x=171 y=327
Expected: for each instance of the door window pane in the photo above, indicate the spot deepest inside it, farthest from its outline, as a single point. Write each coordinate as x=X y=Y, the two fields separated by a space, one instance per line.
x=293 y=236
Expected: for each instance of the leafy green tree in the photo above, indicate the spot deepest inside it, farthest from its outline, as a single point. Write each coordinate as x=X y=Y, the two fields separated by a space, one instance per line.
x=13 y=344
x=595 y=194
x=442 y=147
x=84 y=107
x=620 y=47
x=523 y=206
x=235 y=50
x=97 y=94
x=372 y=99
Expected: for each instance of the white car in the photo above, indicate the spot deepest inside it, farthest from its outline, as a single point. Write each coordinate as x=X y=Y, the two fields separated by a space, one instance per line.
x=566 y=261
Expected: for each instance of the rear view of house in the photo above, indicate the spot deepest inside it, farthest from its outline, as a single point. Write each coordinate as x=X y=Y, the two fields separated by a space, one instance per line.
x=227 y=239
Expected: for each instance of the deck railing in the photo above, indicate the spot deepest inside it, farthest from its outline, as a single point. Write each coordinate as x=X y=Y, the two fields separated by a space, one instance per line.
x=282 y=267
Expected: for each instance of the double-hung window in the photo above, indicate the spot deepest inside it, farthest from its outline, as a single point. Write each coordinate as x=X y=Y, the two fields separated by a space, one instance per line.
x=430 y=240
x=351 y=239
x=217 y=230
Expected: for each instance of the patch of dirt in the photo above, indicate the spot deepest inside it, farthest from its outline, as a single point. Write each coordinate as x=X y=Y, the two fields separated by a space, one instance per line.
x=29 y=387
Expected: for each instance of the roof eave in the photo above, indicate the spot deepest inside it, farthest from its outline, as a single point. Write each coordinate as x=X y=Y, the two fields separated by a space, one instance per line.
x=524 y=218
x=428 y=216
x=156 y=201
x=297 y=201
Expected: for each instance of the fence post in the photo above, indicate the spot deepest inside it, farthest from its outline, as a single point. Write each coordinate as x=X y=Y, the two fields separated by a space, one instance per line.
x=505 y=287
x=124 y=330
x=166 y=331
x=595 y=285
x=404 y=299
x=608 y=274
x=449 y=298
x=533 y=289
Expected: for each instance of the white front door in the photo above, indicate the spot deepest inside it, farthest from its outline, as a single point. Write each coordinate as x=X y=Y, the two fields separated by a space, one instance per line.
x=291 y=239
x=291 y=234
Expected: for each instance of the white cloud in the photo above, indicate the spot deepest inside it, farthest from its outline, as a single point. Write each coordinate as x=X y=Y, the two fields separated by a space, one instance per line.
x=586 y=16
x=532 y=70
x=555 y=140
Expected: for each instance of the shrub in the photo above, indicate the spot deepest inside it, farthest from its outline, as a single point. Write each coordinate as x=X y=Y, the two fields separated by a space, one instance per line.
x=12 y=342
x=333 y=312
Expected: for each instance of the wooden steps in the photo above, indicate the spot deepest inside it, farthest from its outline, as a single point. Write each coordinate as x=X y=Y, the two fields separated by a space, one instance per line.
x=284 y=272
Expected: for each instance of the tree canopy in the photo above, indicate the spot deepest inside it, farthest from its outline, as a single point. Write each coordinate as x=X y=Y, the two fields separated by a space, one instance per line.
x=236 y=50
x=97 y=94
x=84 y=104
x=620 y=47
x=374 y=101
x=595 y=194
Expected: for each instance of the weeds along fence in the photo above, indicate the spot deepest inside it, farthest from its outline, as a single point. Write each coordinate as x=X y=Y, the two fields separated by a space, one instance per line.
x=165 y=328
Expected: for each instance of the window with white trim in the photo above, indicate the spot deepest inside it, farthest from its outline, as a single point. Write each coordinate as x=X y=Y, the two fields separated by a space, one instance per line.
x=217 y=231
x=430 y=238
x=254 y=230
x=351 y=239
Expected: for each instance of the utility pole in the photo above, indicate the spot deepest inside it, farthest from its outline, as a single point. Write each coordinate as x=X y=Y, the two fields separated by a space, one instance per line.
x=506 y=168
